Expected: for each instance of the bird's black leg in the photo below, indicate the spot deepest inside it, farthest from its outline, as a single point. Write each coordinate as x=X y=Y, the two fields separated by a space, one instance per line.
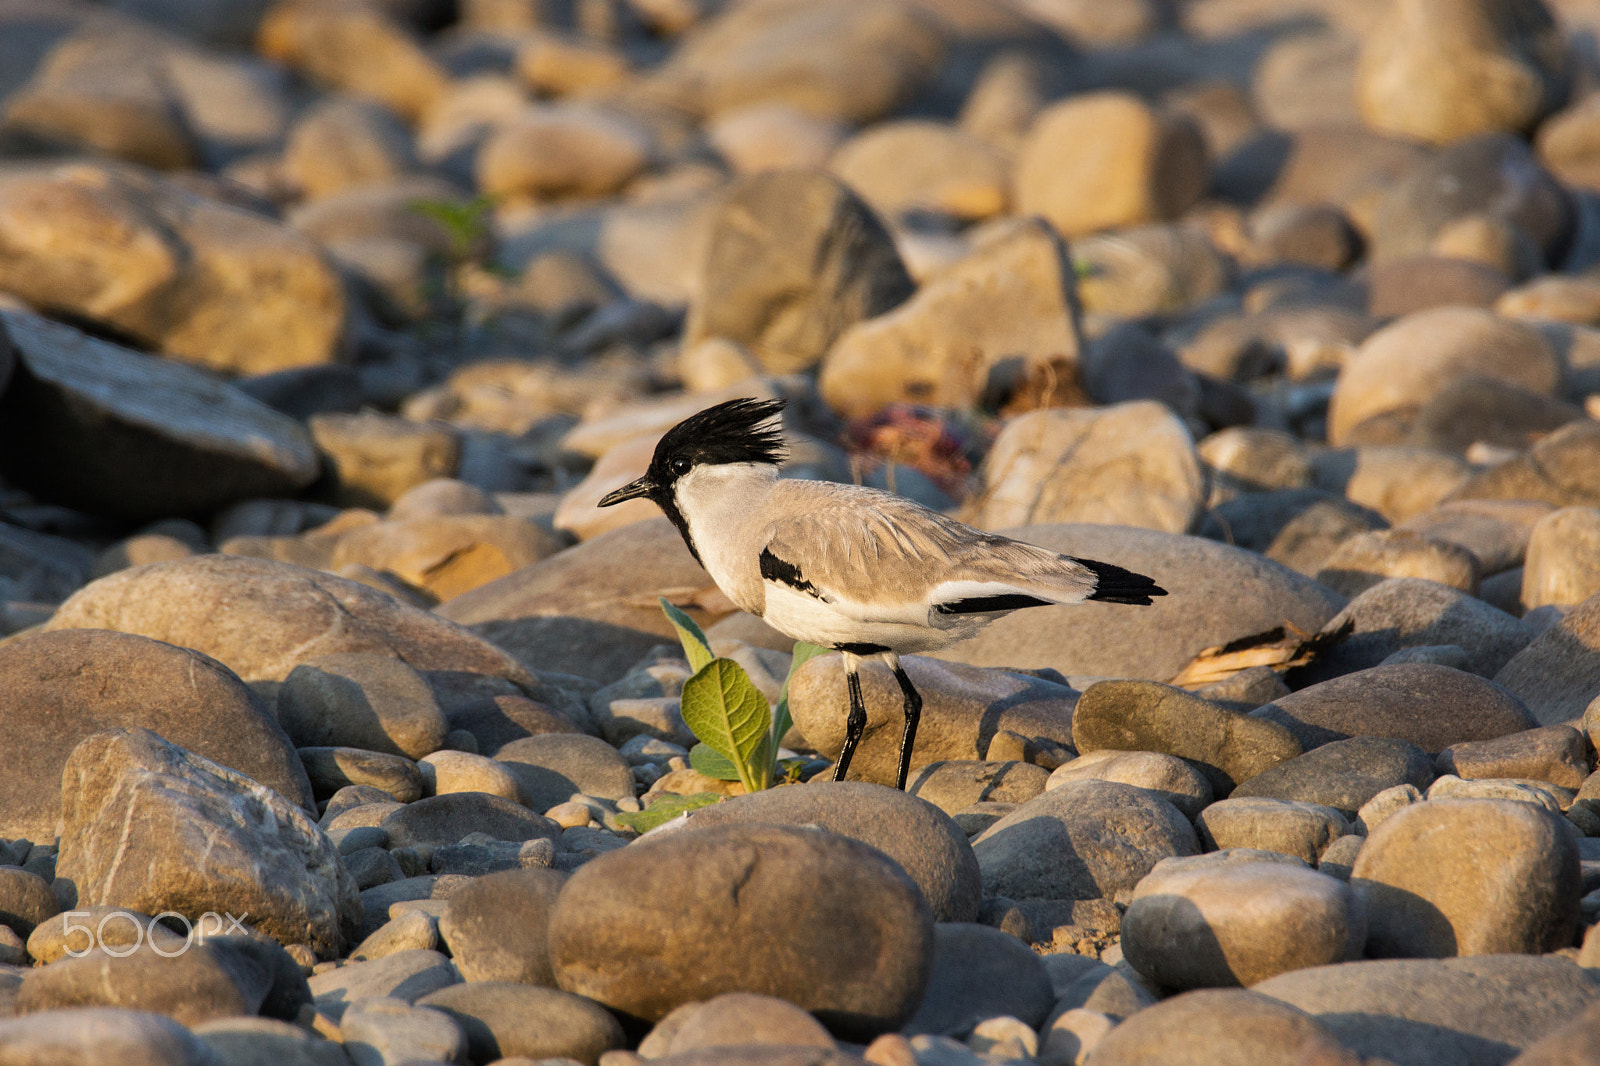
x=913 y=708
x=856 y=724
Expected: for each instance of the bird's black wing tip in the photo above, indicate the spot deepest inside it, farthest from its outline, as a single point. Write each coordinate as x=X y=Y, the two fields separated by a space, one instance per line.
x=1116 y=584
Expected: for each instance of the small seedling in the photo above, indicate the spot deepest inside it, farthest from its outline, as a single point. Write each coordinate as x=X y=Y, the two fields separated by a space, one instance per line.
x=739 y=731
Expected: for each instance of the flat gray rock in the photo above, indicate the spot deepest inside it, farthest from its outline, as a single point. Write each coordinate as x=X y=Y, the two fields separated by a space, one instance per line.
x=980 y=972
x=406 y=975
x=1410 y=612
x=1558 y=674
x=507 y=1019
x=90 y=1036
x=112 y=431
x=1446 y=1012
x=58 y=688
x=1344 y=774
x=261 y=619
x=1431 y=706
x=1216 y=594
x=1084 y=840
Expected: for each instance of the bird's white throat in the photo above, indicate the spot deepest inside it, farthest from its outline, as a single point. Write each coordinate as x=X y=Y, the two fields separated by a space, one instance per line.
x=719 y=503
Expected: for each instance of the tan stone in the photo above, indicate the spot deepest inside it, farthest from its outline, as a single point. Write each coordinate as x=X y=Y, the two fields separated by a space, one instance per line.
x=261 y=619
x=1361 y=561
x=372 y=702
x=446 y=554
x=964 y=707
x=58 y=688
x=196 y=279
x=1131 y=464
x=1011 y=301
x=797 y=883
x=580 y=513
x=1396 y=480
x=1496 y=531
x=1148 y=269
x=1469 y=877
x=1103 y=160
x=1004 y=100
x=592 y=609
x=105 y=92
x=149 y=826
x=1563 y=561
x=343 y=143
x=554 y=150
x=1307 y=80
x=1558 y=674
x=838 y=58
x=1556 y=754
x=1443 y=71
x=1208 y=922
x=1227 y=747
x=460 y=771
x=1554 y=296
x=1216 y=1025
x=1401 y=366
x=376 y=457
x=774 y=136
x=794 y=259
x=917 y=164
x=354 y=47
x=562 y=66
x=1166 y=775
x=1289 y=827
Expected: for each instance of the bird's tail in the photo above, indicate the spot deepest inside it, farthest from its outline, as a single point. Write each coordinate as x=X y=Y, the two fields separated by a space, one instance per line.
x=1114 y=584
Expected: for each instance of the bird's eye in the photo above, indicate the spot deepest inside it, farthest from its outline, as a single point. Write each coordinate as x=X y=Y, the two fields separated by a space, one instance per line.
x=679 y=466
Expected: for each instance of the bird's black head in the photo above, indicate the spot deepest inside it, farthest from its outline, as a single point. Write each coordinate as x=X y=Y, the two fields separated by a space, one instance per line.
x=739 y=431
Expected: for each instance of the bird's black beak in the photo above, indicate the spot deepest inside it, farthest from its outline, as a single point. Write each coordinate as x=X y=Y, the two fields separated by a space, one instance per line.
x=631 y=491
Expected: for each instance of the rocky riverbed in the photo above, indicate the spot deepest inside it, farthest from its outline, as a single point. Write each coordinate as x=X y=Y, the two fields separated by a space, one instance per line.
x=334 y=711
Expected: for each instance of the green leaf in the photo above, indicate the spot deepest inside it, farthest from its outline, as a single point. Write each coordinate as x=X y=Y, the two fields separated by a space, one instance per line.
x=708 y=762
x=696 y=648
x=723 y=707
x=466 y=221
x=665 y=809
x=781 y=718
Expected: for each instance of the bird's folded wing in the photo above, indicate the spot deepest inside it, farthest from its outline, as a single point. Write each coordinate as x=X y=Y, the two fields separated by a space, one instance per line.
x=899 y=563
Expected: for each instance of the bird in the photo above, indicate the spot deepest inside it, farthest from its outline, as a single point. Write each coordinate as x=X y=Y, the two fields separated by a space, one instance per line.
x=855 y=569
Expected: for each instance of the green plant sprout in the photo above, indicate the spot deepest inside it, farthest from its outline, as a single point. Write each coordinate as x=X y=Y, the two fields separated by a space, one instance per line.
x=739 y=732
x=465 y=222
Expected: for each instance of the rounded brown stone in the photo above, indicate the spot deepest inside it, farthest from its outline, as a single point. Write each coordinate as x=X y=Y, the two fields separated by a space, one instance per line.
x=844 y=933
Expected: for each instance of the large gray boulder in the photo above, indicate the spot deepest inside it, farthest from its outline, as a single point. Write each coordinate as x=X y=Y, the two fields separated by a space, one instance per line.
x=1215 y=594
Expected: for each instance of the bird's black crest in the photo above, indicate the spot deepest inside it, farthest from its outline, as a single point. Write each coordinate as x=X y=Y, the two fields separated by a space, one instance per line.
x=739 y=431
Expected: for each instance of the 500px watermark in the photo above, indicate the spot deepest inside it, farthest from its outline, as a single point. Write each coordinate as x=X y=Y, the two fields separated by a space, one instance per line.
x=210 y=924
